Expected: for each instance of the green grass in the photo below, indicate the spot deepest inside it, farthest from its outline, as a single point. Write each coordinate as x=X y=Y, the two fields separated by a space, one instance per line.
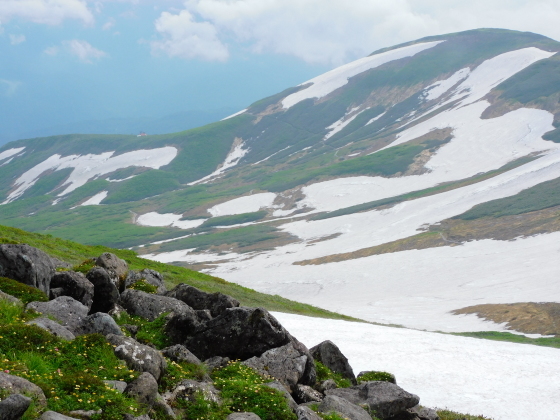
x=383 y=163
x=541 y=196
x=75 y=253
x=22 y=291
x=377 y=376
x=324 y=373
x=453 y=415
x=143 y=286
x=234 y=219
x=514 y=338
x=149 y=332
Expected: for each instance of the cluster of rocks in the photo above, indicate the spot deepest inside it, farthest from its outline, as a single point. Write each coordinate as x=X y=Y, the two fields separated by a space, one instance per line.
x=209 y=327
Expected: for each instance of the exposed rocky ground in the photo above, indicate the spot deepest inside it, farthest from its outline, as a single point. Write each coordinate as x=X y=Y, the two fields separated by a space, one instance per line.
x=177 y=354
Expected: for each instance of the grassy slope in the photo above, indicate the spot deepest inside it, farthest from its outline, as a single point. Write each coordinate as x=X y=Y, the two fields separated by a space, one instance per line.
x=75 y=253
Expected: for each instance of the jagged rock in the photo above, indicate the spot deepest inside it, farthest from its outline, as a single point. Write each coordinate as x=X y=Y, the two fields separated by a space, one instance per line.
x=150 y=306
x=216 y=362
x=326 y=385
x=118 y=385
x=305 y=394
x=344 y=407
x=143 y=389
x=113 y=264
x=306 y=413
x=100 y=323
x=132 y=329
x=53 y=415
x=137 y=356
x=238 y=333
x=424 y=413
x=117 y=311
x=330 y=355
x=56 y=292
x=278 y=386
x=17 y=385
x=53 y=327
x=10 y=298
x=182 y=325
x=73 y=284
x=85 y=414
x=204 y=315
x=151 y=276
x=392 y=378
x=217 y=303
x=284 y=363
x=27 y=265
x=179 y=353
x=69 y=312
x=105 y=290
x=13 y=407
x=383 y=398
x=188 y=389
x=243 y=416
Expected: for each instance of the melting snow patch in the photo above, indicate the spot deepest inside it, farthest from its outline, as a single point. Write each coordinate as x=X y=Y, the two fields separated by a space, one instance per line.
x=328 y=82
x=10 y=152
x=232 y=159
x=235 y=115
x=376 y=118
x=437 y=89
x=96 y=199
x=90 y=166
x=167 y=219
x=339 y=125
x=503 y=381
x=247 y=204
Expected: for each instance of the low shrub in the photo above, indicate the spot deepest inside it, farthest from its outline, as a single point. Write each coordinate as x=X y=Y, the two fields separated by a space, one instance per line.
x=324 y=373
x=143 y=286
x=377 y=376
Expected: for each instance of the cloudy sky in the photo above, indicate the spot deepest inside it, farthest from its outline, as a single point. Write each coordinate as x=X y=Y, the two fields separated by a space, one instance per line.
x=65 y=62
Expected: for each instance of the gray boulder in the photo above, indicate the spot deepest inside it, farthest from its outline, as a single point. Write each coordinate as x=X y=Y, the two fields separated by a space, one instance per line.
x=238 y=333
x=143 y=389
x=285 y=393
x=150 y=306
x=85 y=414
x=384 y=399
x=113 y=264
x=10 y=298
x=216 y=362
x=424 y=413
x=52 y=415
x=306 y=413
x=179 y=353
x=164 y=409
x=99 y=323
x=106 y=292
x=326 y=385
x=150 y=276
x=243 y=416
x=330 y=355
x=53 y=327
x=305 y=394
x=27 y=265
x=343 y=407
x=137 y=356
x=181 y=326
x=73 y=284
x=217 y=303
x=16 y=385
x=284 y=363
x=188 y=389
x=69 y=312
x=118 y=385
x=13 y=407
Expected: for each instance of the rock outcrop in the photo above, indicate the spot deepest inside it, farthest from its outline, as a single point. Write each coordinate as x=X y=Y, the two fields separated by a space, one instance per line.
x=27 y=265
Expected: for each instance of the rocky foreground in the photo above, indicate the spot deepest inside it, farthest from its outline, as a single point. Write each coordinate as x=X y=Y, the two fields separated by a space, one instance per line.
x=201 y=344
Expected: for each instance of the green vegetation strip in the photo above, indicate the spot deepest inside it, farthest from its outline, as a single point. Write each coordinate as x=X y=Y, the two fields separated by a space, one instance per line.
x=75 y=253
x=514 y=338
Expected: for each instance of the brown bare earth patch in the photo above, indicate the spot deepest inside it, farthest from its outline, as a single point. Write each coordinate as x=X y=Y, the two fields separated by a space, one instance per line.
x=526 y=317
x=453 y=232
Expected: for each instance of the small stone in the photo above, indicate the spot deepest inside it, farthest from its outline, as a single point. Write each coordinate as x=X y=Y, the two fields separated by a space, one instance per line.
x=143 y=389
x=14 y=406
x=243 y=416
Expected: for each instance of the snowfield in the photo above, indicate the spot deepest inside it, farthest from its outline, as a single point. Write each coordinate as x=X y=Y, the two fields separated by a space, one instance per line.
x=328 y=82
x=88 y=167
x=231 y=160
x=167 y=219
x=503 y=381
x=10 y=152
x=246 y=204
x=96 y=199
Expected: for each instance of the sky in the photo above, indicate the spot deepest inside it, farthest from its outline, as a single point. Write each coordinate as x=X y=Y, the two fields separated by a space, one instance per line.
x=129 y=65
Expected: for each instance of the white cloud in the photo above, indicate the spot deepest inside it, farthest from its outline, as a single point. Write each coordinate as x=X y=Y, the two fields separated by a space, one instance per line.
x=109 y=24
x=183 y=37
x=83 y=50
x=16 y=39
x=9 y=86
x=337 y=31
x=50 y=12
x=52 y=51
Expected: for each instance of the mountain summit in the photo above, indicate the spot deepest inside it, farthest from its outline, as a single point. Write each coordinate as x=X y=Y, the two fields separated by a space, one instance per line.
x=416 y=181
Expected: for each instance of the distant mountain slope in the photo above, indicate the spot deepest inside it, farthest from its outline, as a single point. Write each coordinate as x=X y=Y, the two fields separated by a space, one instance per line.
x=383 y=189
